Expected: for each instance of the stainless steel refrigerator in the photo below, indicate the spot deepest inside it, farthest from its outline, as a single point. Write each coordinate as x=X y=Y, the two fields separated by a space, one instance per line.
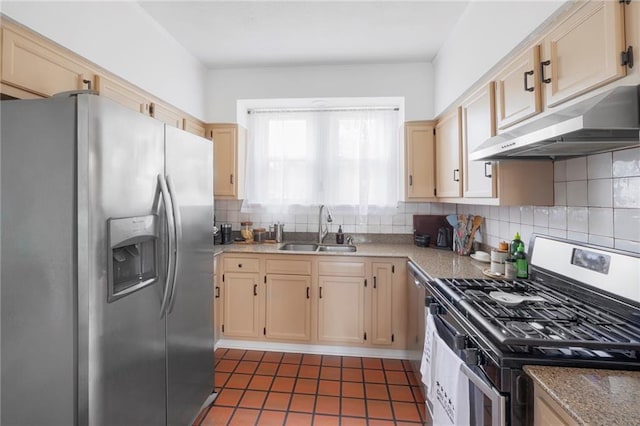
x=107 y=266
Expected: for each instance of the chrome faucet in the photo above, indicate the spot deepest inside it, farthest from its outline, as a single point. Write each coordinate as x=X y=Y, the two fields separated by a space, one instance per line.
x=322 y=234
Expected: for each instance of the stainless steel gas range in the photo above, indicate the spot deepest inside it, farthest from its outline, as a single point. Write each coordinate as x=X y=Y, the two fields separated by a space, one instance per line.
x=580 y=307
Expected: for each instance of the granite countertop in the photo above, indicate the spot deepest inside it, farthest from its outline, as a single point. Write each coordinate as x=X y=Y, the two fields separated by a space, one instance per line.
x=592 y=396
x=434 y=262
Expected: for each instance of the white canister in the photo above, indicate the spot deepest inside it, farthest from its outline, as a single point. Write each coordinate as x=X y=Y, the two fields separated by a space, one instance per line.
x=497 y=261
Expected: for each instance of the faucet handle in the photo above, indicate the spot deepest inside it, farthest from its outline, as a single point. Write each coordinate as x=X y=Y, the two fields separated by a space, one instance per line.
x=349 y=240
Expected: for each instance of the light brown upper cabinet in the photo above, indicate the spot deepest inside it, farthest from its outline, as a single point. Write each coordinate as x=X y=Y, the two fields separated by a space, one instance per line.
x=448 y=158
x=478 y=125
x=632 y=29
x=518 y=89
x=229 y=153
x=32 y=65
x=583 y=52
x=166 y=114
x=194 y=126
x=123 y=94
x=420 y=179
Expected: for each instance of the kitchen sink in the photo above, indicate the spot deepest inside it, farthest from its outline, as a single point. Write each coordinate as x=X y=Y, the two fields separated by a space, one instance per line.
x=330 y=248
x=337 y=248
x=299 y=247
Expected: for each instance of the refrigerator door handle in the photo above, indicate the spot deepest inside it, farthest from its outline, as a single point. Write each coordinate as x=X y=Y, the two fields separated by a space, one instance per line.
x=168 y=211
x=178 y=234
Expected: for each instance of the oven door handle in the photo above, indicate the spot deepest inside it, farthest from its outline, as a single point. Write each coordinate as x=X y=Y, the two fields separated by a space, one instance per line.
x=498 y=402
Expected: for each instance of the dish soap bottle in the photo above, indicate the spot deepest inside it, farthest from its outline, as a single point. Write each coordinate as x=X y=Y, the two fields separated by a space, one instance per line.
x=339 y=236
x=522 y=267
x=515 y=243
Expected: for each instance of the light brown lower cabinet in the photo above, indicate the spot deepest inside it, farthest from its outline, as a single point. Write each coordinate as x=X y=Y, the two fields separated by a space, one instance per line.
x=341 y=310
x=328 y=300
x=546 y=411
x=288 y=307
x=241 y=305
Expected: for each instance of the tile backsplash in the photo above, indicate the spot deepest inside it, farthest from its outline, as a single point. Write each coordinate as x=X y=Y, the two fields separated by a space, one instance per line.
x=596 y=200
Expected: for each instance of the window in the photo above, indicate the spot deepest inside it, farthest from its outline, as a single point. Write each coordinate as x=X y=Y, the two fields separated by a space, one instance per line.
x=345 y=158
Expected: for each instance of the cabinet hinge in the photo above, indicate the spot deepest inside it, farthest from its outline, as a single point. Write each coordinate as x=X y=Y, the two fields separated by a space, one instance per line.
x=435 y=192
x=434 y=131
x=393 y=269
x=393 y=338
x=264 y=331
x=222 y=277
x=365 y=282
x=365 y=335
x=625 y=1
x=265 y=279
x=626 y=57
x=151 y=108
x=223 y=328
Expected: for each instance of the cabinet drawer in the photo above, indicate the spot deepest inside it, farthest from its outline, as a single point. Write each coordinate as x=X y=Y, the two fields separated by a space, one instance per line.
x=342 y=269
x=240 y=264
x=289 y=267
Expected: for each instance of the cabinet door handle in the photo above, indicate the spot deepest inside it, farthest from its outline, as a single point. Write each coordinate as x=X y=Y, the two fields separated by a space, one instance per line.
x=308 y=295
x=88 y=83
x=217 y=292
x=231 y=178
x=457 y=179
x=487 y=174
x=320 y=292
x=239 y=265
x=410 y=180
x=527 y=88
x=542 y=65
x=375 y=282
x=255 y=289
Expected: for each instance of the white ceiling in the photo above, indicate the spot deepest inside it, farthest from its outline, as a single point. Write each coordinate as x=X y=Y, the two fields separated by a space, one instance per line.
x=229 y=34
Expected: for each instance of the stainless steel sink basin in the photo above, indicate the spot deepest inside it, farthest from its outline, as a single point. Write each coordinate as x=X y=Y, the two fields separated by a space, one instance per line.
x=337 y=248
x=299 y=247
x=330 y=248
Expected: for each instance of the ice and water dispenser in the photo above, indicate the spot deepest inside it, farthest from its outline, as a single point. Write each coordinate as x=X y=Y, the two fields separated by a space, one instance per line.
x=133 y=254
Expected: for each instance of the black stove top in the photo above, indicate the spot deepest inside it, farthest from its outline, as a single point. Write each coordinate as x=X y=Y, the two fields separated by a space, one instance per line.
x=558 y=324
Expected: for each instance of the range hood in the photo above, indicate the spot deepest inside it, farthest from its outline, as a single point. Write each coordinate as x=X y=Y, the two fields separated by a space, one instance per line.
x=605 y=122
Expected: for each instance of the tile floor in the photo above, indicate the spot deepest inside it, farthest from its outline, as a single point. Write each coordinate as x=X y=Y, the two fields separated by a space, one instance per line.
x=274 y=388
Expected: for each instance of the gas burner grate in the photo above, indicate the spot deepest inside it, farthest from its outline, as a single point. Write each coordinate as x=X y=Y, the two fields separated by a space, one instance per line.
x=560 y=321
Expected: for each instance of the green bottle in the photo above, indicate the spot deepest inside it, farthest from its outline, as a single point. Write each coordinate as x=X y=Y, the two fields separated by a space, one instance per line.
x=515 y=243
x=522 y=267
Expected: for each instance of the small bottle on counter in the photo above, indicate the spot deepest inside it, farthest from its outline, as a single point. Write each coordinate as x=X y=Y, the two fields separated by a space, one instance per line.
x=515 y=243
x=339 y=236
x=522 y=266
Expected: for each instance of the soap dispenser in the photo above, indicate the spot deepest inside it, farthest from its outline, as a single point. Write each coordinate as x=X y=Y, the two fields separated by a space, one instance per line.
x=340 y=236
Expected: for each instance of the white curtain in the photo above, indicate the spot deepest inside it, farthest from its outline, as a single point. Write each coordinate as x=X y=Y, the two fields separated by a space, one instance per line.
x=347 y=159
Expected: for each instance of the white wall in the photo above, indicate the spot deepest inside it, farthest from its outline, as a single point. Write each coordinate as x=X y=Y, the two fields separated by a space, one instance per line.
x=122 y=38
x=414 y=81
x=486 y=33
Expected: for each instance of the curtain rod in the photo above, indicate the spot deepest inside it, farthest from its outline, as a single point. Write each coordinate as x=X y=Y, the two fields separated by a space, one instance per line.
x=373 y=108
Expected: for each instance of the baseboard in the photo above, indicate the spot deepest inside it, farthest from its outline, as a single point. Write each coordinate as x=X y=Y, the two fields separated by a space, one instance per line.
x=313 y=349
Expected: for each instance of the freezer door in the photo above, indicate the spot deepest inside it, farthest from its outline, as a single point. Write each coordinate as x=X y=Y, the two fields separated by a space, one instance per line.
x=38 y=280
x=122 y=364
x=189 y=169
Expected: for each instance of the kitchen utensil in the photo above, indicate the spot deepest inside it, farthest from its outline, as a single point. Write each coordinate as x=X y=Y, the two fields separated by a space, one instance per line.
x=278 y=229
x=513 y=299
x=476 y=222
x=481 y=256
